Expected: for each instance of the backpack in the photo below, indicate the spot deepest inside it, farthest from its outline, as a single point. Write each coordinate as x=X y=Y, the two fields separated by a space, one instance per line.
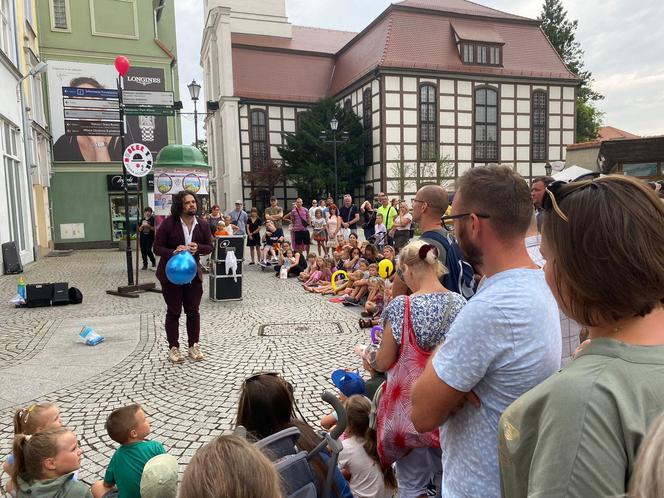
x=461 y=275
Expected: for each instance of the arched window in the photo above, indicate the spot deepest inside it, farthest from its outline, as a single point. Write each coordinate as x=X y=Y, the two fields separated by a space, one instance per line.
x=348 y=106
x=486 y=124
x=258 y=132
x=539 y=116
x=428 y=123
x=367 y=124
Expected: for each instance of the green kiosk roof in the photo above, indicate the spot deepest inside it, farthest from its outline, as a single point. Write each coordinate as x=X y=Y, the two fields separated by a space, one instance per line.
x=180 y=156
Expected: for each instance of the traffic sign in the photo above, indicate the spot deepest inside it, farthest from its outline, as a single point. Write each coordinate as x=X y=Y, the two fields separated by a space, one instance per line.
x=96 y=114
x=100 y=93
x=93 y=128
x=149 y=110
x=135 y=97
x=137 y=160
x=74 y=102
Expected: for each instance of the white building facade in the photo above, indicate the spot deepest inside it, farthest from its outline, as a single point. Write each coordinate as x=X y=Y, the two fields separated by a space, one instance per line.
x=16 y=220
x=475 y=86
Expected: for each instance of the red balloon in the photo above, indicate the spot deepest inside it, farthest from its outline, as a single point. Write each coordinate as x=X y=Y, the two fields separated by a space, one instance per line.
x=122 y=65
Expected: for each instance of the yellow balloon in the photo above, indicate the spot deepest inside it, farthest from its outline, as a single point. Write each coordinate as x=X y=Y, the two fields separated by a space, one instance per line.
x=334 y=278
x=385 y=268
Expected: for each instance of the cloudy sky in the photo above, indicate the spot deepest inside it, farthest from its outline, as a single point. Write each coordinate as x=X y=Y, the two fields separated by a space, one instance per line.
x=622 y=42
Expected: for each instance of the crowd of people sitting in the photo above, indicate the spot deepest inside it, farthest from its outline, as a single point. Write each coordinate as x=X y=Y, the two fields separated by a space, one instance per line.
x=464 y=393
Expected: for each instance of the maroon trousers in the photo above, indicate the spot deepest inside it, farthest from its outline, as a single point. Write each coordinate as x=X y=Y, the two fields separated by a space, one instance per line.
x=178 y=297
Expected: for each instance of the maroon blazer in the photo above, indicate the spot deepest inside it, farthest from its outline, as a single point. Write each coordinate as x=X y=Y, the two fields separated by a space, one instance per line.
x=170 y=235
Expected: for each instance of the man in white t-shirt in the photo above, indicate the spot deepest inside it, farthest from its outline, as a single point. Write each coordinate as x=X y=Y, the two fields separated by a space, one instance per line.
x=504 y=342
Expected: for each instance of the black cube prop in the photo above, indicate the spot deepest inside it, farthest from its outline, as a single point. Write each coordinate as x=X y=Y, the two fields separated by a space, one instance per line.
x=225 y=288
x=38 y=295
x=221 y=244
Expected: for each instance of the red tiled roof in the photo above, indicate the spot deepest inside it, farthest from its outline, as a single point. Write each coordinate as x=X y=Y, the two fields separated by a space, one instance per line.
x=611 y=133
x=605 y=133
x=405 y=37
x=267 y=75
x=459 y=7
x=326 y=41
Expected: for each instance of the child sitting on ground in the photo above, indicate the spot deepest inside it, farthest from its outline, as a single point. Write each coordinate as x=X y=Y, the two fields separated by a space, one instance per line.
x=358 y=459
x=29 y=421
x=353 y=262
x=360 y=286
x=230 y=467
x=374 y=304
x=311 y=268
x=320 y=277
x=341 y=243
x=129 y=427
x=45 y=463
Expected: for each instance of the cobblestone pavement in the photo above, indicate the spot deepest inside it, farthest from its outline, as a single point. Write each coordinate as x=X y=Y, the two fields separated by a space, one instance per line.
x=276 y=327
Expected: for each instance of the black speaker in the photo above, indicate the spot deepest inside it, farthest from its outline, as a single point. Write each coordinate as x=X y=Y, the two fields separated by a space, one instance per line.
x=38 y=295
x=60 y=294
x=10 y=260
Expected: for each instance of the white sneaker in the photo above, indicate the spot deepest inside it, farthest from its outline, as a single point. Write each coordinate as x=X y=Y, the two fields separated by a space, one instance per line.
x=195 y=352
x=174 y=355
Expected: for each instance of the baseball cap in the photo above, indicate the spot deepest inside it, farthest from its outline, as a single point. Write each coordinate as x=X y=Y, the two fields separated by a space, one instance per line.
x=160 y=477
x=348 y=383
x=238 y=202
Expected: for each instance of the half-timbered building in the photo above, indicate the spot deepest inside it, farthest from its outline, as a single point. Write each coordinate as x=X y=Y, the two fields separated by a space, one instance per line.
x=440 y=86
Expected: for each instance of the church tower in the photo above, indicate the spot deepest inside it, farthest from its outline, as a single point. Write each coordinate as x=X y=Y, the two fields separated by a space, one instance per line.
x=224 y=17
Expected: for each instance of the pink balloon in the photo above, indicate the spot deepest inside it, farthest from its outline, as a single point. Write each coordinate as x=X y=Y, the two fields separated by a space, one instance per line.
x=122 y=65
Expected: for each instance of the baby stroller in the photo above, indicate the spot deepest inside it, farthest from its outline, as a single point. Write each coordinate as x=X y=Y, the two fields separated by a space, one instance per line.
x=294 y=467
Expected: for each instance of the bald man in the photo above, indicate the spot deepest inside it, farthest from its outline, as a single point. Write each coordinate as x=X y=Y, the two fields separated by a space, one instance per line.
x=429 y=205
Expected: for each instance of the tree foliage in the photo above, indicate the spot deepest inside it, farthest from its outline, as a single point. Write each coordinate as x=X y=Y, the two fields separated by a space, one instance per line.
x=309 y=161
x=264 y=176
x=203 y=147
x=562 y=34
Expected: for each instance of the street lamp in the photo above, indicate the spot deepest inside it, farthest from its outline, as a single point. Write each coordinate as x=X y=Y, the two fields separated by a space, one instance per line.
x=547 y=169
x=334 y=125
x=194 y=91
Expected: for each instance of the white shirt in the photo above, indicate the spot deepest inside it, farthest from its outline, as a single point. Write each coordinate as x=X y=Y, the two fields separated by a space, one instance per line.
x=366 y=478
x=187 y=233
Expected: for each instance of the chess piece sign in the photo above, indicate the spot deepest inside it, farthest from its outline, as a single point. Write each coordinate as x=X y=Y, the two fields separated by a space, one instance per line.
x=137 y=160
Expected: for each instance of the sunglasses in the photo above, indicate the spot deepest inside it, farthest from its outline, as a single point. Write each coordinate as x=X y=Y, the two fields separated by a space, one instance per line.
x=556 y=192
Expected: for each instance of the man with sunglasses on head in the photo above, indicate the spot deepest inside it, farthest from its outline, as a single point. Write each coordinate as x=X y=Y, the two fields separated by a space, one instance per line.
x=537 y=192
x=505 y=341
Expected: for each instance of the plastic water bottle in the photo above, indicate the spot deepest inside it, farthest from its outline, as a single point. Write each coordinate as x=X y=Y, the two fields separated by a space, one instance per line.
x=90 y=337
x=21 y=290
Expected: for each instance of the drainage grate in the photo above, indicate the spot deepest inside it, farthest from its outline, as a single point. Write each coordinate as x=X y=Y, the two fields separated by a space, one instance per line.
x=291 y=329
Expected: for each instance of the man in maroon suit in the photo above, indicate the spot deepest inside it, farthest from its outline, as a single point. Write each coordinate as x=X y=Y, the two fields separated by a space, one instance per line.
x=182 y=231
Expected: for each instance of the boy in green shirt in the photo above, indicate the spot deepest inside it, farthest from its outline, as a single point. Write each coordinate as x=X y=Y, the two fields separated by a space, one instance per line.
x=129 y=427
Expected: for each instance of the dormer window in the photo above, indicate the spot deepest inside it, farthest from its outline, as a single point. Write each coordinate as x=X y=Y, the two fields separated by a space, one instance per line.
x=477 y=53
x=478 y=43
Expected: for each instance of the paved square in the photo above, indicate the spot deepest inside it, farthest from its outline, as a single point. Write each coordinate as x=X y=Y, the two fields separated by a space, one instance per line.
x=276 y=327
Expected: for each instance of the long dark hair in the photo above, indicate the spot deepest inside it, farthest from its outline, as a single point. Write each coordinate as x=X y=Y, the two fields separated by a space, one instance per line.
x=266 y=406
x=357 y=411
x=178 y=202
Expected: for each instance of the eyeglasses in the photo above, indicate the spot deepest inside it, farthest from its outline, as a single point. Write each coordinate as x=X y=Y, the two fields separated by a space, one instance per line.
x=413 y=200
x=453 y=217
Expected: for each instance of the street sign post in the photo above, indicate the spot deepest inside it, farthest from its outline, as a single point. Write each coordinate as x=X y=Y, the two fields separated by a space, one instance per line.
x=99 y=93
x=93 y=114
x=149 y=110
x=135 y=97
x=93 y=128
x=84 y=103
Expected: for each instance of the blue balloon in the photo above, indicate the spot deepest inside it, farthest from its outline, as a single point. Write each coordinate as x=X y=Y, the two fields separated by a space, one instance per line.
x=181 y=268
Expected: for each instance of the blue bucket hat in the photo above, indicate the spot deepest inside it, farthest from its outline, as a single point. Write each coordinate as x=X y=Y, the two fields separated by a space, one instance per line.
x=348 y=383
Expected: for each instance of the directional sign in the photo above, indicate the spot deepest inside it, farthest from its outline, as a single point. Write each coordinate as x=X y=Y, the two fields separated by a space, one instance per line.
x=70 y=102
x=93 y=128
x=100 y=93
x=96 y=114
x=135 y=97
x=149 y=110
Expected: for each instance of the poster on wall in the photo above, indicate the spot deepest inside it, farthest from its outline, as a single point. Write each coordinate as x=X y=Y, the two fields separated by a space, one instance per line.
x=73 y=117
x=168 y=182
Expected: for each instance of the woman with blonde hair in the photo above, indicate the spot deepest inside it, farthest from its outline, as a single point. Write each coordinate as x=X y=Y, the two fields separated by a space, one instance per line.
x=401 y=226
x=648 y=478
x=578 y=433
x=230 y=467
x=412 y=328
